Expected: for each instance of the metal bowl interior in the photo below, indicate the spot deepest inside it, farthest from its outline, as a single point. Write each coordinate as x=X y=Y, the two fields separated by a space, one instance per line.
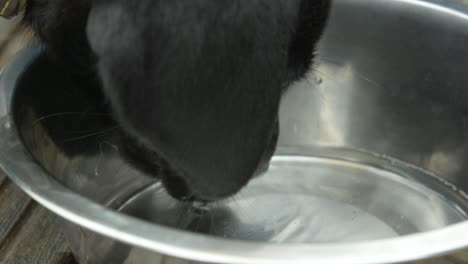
x=386 y=108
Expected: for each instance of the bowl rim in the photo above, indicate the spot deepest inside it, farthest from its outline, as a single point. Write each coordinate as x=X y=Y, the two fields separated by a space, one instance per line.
x=21 y=168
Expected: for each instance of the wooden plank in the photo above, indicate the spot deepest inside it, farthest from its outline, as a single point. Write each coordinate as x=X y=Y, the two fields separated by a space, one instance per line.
x=439 y=260
x=37 y=239
x=460 y=257
x=13 y=204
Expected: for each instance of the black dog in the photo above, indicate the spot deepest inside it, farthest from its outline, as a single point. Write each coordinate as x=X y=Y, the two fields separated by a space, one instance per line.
x=195 y=84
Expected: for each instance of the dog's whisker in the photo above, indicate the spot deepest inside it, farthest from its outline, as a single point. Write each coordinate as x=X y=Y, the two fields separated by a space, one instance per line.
x=65 y=113
x=361 y=76
x=91 y=134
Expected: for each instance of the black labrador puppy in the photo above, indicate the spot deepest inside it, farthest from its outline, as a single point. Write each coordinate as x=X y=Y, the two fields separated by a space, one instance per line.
x=195 y=84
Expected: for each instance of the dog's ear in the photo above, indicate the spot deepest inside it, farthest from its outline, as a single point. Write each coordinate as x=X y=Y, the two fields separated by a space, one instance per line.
x=11 y=8
x=61 y=27
x=197 y=81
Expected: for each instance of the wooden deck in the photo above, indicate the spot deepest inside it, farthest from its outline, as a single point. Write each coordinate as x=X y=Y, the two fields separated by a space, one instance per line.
x=29 y=234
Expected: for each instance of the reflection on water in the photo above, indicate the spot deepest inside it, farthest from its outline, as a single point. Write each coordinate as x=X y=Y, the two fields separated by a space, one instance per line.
x=303 y=199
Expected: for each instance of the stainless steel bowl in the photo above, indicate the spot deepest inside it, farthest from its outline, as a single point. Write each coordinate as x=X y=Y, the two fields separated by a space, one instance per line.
x=370 y=166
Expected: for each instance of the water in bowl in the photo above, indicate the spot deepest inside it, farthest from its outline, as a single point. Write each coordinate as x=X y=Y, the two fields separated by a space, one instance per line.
x=310 y=199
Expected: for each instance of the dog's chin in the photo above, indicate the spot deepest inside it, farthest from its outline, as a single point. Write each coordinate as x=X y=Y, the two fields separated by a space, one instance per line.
x=177 y=188
x=152 y=164
x=184 y=187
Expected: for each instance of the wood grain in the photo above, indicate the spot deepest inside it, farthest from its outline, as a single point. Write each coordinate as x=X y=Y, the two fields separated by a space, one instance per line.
x=29 y=233
x=13 y=204
x=36 y=239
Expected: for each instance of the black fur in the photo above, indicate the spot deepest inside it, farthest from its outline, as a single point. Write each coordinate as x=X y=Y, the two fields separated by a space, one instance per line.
x=196 y=84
